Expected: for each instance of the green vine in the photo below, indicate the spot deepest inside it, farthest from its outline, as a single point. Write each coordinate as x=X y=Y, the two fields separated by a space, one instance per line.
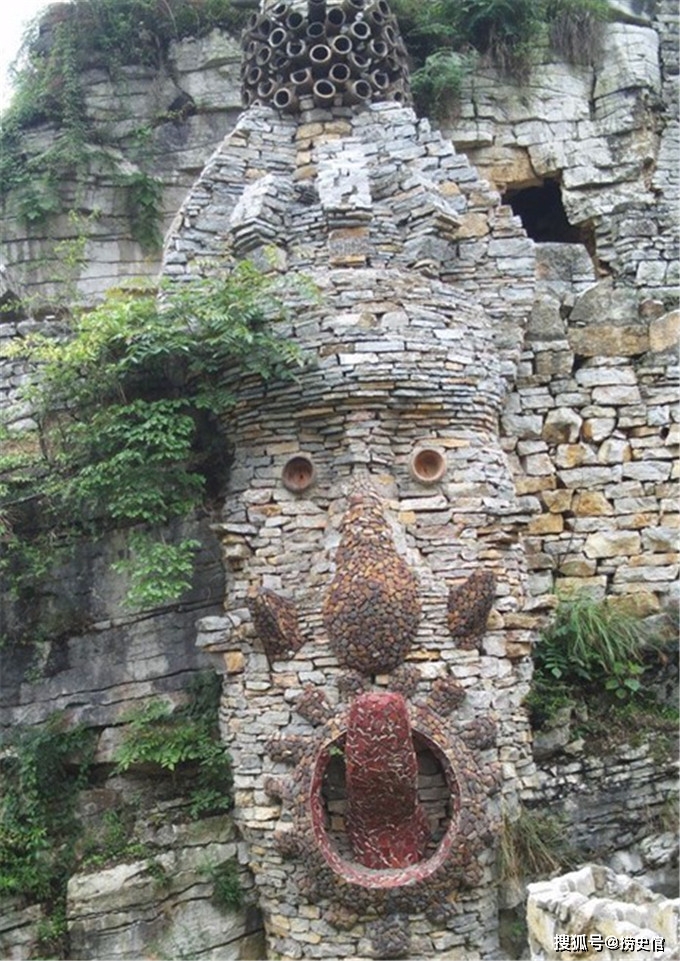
x=130 y=408
x=111 y=842
x=143 y=196
x=42 y=769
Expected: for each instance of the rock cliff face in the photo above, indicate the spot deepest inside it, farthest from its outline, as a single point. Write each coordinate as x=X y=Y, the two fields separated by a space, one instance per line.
x=143 y=130
x=589 y=427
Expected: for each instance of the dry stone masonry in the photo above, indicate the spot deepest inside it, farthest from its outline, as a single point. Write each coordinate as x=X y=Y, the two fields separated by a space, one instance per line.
x=592 y=424
x=594 y=912
x=370 y=530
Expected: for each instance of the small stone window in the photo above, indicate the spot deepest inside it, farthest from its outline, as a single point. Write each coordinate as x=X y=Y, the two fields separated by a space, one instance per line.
x=298 y=473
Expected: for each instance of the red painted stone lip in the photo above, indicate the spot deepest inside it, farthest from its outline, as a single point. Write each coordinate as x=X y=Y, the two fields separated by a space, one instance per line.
x=385 y=821
x=383 y=878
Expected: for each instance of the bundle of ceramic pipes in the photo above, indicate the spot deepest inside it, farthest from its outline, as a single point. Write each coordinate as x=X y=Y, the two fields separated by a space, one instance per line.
x=333 y=55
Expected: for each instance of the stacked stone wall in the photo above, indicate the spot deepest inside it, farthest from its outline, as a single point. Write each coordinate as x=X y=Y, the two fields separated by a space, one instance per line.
x=593 y=423
x=382 y=217
x=593 y=428
x=595 y=910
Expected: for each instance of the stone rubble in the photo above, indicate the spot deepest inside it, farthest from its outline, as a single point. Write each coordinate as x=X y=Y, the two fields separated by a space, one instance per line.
x=604 y=908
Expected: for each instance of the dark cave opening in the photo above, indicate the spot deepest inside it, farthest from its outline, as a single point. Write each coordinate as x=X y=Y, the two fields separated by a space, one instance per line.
x=543 y=216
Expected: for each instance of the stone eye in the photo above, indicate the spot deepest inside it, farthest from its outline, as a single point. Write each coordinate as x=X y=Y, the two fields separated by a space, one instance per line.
x=298 y=473
x=427 y=465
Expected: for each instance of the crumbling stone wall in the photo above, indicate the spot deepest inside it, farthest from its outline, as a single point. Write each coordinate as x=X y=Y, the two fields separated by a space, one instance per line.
x=593 y=423
x=595 y=910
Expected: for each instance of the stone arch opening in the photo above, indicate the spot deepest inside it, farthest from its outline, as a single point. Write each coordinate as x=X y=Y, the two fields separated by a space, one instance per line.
x=543 y=216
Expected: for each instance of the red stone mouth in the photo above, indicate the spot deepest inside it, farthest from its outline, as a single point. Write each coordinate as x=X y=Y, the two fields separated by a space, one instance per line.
x=342 y=861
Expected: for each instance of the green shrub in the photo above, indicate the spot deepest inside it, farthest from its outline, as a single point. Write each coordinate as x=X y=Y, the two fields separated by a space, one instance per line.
x=226 y=882
x=436 y=85
x=593 y=656
x=130 y=407
x=507 y=31
x=428 y=27
x=594 y=644
x=176 y=740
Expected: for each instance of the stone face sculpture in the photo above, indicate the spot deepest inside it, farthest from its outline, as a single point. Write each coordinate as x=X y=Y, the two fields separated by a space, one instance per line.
x=391 y=853
x=371 y=522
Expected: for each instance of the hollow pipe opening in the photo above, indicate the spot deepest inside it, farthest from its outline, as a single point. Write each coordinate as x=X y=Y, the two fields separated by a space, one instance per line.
x=339 y=73
x=277 y=38
x=335 y=20
x=324 y=93
x=285 y=100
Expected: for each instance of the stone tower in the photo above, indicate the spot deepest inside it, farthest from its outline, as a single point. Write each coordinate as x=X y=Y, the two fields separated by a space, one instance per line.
x=375 y=646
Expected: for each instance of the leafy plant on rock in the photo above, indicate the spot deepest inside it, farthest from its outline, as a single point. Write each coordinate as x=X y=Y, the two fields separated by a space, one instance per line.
x=592 y=643
x=143 y=196
x=593 y=657
x=226 y=882
x=42 y=769
x=112 y=841
x=187 y=738
x=438 y=82
x=130 y=405
x=447 y=38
